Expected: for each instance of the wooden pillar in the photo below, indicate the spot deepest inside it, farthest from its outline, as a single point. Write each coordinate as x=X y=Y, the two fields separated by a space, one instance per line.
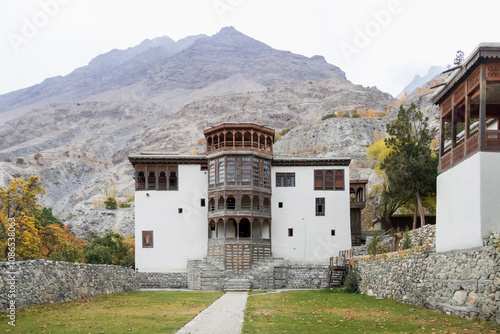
x=224 y=221
x=482 y=107
x=251 y=228
x=467 y=115
x=237 y=229
x=453 y=122
x=261 y=222
x=441 y=144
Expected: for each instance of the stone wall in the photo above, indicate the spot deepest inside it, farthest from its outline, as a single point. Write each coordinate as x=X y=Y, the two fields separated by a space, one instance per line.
x=464 y=283
x=162 y=280
x=43 y=281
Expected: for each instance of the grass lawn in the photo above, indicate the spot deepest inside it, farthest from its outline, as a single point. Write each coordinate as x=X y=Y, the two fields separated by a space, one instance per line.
x=132 y=312
x=335 y=311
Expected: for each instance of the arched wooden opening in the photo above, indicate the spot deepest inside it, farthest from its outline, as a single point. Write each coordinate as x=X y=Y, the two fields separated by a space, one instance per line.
x=339 y=180
x=266 y=229
x=318 y=180
x=231 y=228
x=267 y=205
x=231 y=203
x=229 y=139
x=262 y=142
x=151 y=180
x=211 y=179
x=238 y=139
x=352 y=194
x=141 y=181
x=256 y=229
x=162 y=181
x=360 y=195
x=246 y=202
x=269 y=144
x=220 y=205
x=247 y=138
x=209 y=143
x=221 y=141
x=329 y=180
x=212 y=233
x=255 y=203
x=211 y=205
x=255 y=140
x=216 y=142
x=172 y=181
x=244 y=228
x=220 y=229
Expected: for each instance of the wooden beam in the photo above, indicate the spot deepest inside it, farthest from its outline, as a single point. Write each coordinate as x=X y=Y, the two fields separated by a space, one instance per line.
x=482 y=107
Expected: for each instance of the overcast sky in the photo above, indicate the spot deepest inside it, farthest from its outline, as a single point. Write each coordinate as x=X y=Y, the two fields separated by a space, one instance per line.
x=381 y=43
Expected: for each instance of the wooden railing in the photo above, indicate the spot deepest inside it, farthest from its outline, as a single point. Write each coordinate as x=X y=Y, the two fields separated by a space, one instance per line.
x=339 y=264
x=493 y=140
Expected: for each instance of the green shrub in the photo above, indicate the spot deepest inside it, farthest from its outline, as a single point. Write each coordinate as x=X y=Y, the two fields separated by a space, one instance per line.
x=124 y=205
x=327 y=116
x=351 y=283
x=356 y=115
x=406 y=240
x=110 y=203
x=374 y=244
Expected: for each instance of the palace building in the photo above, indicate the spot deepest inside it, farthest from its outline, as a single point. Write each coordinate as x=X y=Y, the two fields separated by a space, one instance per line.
x=239 y=204
x=468 y=189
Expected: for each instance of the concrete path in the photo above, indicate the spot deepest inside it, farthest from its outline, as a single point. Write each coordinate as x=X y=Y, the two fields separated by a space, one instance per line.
x=224 y=316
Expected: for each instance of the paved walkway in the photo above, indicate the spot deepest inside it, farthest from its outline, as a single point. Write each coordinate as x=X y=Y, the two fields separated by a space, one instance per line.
x=224 y=316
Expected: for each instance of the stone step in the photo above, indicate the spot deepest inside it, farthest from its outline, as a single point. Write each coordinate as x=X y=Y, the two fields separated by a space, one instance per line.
x=237 y=284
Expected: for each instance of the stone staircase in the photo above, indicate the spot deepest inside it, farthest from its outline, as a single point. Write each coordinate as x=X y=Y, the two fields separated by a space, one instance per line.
x=237 y=284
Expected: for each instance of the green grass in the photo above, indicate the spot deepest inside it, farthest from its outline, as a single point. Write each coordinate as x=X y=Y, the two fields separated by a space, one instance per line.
x=335 y=311
x=132 y=312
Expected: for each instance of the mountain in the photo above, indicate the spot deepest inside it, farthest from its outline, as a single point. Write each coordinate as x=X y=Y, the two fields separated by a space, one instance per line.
x=418 y=81
x=76 y=131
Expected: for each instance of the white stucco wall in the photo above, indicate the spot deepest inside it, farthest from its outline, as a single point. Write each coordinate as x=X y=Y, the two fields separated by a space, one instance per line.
x=312 y=241
x=468 y=202
x=177 y=237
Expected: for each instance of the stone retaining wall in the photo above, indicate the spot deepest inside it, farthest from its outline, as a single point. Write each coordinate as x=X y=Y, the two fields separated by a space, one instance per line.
x=43 y=281
x=465 y=283
x=162 y=280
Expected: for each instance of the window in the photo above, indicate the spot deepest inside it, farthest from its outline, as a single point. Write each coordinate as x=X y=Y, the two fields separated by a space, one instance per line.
x=329 y=179
x=222 y=170
x=280 y=205
x=320 y=206
x=179 y=210
x=231 y=170
x=318 y=180
x=211 y=176
x=256 y=171
x=202 y=202
x=285 y=179
x=267 y=174
x=246 y=170
x=151 y=180
x=290 y=232
x=339 y=180
x=147 y=239
x=333 y=233
x=162 y=181
x=172 y=181
x=141 y=181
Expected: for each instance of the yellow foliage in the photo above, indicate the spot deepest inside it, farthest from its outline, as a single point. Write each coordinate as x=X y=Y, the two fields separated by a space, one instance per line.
x=340 y=113
x=376 y=153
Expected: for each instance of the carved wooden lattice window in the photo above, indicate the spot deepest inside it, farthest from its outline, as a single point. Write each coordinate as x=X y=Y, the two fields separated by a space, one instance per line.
x=147 y=239
x=141 y=181
x=318 y=180
x=222 y=170
x=256 y=171
x=339 y=180
x=231 y=170
x=211 y=179
x=246 y=170
x=267 y=174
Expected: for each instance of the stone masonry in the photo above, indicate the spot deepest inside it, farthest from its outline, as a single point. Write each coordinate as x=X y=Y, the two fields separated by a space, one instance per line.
x=464 y=283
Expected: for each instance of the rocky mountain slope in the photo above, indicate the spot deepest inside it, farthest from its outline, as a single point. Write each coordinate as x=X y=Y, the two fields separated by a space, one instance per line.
x=77 y=131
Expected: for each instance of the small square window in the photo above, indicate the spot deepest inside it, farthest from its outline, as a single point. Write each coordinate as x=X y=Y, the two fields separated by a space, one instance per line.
x=179 y=210
x=147 y=239
x=202 y=202
x=280 y=204
x=333 y=233
x=290 y=232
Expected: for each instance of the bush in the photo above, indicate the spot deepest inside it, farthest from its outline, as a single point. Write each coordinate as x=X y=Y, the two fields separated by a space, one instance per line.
x=124 y=205
x=327 y=116
x=374 y=245
x=351 y=283
x=110 y=203
x=406 y=240
x=356 y=115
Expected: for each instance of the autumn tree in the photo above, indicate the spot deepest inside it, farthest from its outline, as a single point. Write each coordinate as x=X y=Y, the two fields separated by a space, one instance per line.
x=411 y=165
x=108 y=249
x=38 y=234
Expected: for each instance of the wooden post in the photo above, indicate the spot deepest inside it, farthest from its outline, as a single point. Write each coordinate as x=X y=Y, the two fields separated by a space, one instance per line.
x=453 y=123
x=441 y=144
x=467 y=115
x=482 y=107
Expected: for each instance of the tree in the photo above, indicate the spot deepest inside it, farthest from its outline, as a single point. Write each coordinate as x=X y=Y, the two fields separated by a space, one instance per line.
x=110 y=203
x=386 y=201
x=411 y=166
x=459 y=58
x=108 y=249
x=38 y=234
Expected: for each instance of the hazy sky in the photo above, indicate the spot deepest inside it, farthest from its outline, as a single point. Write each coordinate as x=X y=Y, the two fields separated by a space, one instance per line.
x=381 y=43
